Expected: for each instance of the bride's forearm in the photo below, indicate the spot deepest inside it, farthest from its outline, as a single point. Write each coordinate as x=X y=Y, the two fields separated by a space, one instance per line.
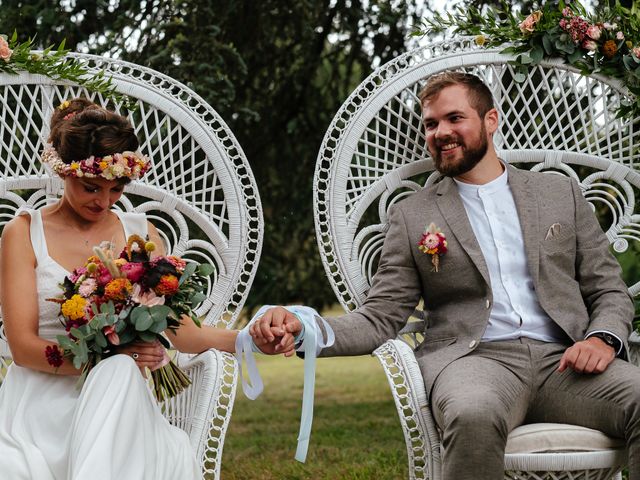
x=189 y=338
x=31 y=353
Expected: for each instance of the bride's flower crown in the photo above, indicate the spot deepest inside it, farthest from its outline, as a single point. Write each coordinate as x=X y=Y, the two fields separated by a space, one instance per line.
x=131 y=165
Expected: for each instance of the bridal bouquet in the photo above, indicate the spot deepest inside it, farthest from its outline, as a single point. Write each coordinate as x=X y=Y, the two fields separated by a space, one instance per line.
x=113 y=302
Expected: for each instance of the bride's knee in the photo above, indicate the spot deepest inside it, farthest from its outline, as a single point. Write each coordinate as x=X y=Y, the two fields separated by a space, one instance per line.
x=117 y=365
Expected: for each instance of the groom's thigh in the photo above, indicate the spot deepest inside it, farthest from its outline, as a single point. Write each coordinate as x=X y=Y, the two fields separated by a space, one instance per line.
x=486 y=391
x=604 y=401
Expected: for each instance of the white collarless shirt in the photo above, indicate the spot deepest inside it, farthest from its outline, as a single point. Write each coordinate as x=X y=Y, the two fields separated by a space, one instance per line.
x=516 y=311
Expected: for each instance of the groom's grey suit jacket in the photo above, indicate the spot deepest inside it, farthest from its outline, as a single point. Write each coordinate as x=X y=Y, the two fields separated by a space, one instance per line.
x=576 y=278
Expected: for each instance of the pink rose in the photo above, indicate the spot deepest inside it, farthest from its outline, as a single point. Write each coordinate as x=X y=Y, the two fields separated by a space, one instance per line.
x=620 y=36
x=636 y=52
x=528 y=25
x=594 y=32
x=5 y=51
x=590 y=45
x=133 y=271
x=110 y=332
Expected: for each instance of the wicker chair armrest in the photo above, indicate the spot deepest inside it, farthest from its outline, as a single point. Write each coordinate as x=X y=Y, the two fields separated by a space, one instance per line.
x=214 y=376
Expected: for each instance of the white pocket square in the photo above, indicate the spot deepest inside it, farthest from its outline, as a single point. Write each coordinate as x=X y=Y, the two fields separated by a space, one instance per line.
x=553 y=230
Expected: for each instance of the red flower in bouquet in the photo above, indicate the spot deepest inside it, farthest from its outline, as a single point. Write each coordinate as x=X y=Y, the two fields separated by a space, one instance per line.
x=54 y=355
x=113 y=302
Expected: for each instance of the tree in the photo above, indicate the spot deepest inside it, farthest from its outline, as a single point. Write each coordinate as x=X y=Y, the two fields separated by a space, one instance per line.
x=276 y=71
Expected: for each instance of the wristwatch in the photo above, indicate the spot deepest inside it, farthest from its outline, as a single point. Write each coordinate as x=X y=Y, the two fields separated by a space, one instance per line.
x=608 y=339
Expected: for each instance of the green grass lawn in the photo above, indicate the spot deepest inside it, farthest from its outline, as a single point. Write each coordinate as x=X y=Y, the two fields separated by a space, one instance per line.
x=355 y=436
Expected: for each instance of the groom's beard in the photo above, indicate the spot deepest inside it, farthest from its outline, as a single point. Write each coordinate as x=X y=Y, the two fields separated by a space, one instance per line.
x=471 y=155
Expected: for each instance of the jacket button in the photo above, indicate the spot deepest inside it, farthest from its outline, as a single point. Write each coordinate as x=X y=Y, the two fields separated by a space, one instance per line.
x=488 y=303
x=472 y=343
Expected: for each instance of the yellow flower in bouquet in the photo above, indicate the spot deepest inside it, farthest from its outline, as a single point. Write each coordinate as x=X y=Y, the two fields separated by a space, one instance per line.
x=74 y=308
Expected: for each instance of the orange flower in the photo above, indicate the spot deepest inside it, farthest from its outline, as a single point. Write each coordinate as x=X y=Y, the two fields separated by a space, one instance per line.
x=118 y=289
x=609 y=49
x=168 y=285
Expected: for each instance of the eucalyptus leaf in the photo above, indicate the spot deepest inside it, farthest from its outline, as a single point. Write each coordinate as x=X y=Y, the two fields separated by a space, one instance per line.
x=206 y=269
x=127 y=336
x=520 y=77
x=189 y=270
x=143 y=320
x=198 y=297
x=77 y=333
x=101 y=340
x=147 y=336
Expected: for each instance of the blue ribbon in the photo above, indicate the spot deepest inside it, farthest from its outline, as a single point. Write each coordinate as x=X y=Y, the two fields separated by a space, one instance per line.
x=312 y=344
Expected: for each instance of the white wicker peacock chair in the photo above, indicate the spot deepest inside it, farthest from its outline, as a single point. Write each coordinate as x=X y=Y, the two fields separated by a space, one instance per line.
x=200 y=194
x=374 y=154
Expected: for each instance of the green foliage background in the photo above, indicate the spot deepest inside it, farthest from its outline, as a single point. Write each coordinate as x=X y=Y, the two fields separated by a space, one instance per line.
x=276 y=71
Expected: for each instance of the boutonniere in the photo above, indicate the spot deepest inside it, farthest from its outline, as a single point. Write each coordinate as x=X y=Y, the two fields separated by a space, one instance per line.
x=434 y=243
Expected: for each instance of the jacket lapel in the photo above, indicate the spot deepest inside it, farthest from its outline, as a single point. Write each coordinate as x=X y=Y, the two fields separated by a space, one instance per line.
x=455 y=215
x=524 y=195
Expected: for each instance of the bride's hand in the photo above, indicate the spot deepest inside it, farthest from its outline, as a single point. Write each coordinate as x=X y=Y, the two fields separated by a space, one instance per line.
x=145 y=354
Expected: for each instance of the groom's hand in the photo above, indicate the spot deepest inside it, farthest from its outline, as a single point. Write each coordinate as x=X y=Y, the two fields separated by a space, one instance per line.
x=275 y=330
x=588 y=356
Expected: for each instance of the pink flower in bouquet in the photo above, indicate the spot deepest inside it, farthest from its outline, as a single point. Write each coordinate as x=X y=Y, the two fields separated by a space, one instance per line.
x=148 y=299
x=5 y=51
x=111 y=334
x=133 y=270
x=594 y=32
x=636 y=52
x=528 y=25
x=590 y=45
x=176 y=262
x=87 y=287
x=103 y=275
x=77 y=273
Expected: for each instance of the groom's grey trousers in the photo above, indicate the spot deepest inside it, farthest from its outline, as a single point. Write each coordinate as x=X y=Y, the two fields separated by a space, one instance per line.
x=478 y=399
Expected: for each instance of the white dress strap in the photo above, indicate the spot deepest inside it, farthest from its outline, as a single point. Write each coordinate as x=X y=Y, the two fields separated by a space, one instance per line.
x=134 y=223
x=36 y=232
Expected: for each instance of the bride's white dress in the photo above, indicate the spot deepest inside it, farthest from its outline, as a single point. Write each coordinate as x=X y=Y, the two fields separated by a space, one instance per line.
x=111 y=429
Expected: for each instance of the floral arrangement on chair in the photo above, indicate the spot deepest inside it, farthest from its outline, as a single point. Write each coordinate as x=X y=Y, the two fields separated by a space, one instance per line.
x=111 y=302
x=54 y=63
x=607 y=43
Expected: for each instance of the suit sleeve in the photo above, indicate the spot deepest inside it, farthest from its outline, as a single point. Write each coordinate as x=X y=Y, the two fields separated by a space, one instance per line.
x=394 y=294
x=597 y=271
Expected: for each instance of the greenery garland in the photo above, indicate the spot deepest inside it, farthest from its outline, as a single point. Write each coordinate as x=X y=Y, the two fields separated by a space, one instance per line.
x=54 y=63
x=607 y=43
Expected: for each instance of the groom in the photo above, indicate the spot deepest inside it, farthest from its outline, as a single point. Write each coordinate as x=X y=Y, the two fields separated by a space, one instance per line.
x=527 y=315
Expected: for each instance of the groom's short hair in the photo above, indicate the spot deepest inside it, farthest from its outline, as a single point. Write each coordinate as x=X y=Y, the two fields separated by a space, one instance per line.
x=479 y=94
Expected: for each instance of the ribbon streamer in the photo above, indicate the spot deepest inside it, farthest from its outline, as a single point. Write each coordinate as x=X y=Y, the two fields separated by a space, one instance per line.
x=312 y=344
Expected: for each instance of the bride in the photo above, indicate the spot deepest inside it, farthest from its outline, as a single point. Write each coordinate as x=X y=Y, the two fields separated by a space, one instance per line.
x=112 y=428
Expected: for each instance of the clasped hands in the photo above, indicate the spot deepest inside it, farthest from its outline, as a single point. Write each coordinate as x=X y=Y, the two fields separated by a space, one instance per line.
x=275 y=331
